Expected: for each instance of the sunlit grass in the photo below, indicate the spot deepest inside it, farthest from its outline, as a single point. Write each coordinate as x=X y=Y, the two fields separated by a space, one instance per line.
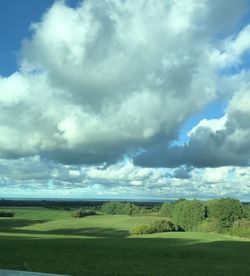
x=53 y=241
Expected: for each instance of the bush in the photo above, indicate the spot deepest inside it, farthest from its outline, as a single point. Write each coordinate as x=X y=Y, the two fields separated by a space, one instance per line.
x=226 y=210
x=6 y=213
x=166 y=209
x=210 y=225
x=241 y=228
x=157 y=226
x=188 y=213
x=119 y=208
x=83 y=213
x=140 y=229
x=163 y=226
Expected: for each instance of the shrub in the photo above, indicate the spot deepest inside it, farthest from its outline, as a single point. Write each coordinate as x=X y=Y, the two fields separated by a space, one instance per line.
x=241 y=228
x=6 y=213
x=210 y=225
x=188 y=213
x=157 y=226
x=166 y=209
x=140 y=229
x=83 y=213
x=226 y=210
x=163 y=225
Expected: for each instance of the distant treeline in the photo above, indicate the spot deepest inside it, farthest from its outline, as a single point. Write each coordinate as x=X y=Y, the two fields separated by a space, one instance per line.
x=61 y=204
x=65 y=204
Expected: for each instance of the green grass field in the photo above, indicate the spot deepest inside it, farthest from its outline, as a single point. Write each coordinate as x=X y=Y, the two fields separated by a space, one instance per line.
x=52 y=241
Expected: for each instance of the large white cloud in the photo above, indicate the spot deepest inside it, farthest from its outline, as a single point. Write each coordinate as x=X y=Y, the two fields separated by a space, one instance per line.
x=101 y=80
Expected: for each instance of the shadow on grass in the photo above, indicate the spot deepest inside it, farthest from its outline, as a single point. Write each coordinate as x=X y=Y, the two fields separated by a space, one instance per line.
x=15 y=226
x=91 y=232
x=117 y=256
x=136 y=256
x=11 y=224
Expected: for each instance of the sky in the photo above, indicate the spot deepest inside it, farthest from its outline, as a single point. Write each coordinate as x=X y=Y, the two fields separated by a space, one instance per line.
x=125 y=99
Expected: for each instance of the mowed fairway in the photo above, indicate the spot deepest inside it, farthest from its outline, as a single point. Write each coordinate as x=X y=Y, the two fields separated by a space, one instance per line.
x=52 y=241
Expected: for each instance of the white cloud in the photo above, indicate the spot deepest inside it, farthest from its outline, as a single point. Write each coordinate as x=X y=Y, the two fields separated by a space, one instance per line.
x=232 y=49
x=13 y=89
x=111 y=85
x=228 y=135
x=74 y=173
x=212 y=124
x=215 y=175
x=123 y=179
x=241 y=43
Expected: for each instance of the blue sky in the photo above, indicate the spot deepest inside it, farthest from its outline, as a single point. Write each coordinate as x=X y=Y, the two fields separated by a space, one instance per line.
x=15 y=20
x=99 y=101
x=213 y=110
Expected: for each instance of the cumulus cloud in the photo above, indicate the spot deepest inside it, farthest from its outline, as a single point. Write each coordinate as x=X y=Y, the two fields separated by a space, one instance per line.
x=108 y=80
x=123 y=180
x=212 y=143
x=227 y=141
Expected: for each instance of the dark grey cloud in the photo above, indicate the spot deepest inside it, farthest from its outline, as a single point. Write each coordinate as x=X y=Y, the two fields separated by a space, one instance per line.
x=212 y=143
x=182 y=172
x=198 y=153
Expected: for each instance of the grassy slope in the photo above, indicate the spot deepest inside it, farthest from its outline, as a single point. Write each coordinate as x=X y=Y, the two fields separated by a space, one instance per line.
x=37 y=222
x=53 y=241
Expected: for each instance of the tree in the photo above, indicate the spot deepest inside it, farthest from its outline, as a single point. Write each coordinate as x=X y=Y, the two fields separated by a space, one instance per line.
x=188 y=213
x=166 y=209
x=226 y=210
x=119 y=208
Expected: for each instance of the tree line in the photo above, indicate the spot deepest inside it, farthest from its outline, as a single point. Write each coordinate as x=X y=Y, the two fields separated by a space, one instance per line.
x=225 y=215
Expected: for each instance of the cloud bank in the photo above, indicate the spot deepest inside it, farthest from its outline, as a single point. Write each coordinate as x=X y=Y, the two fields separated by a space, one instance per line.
x=121 y=180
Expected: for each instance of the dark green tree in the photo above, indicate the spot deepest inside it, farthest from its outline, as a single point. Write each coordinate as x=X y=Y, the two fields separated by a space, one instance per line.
x=119 y=208
x=226 y=210
x=188 y=213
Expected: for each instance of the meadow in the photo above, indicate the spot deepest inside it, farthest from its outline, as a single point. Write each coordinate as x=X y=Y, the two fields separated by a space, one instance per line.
x=46 y=240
